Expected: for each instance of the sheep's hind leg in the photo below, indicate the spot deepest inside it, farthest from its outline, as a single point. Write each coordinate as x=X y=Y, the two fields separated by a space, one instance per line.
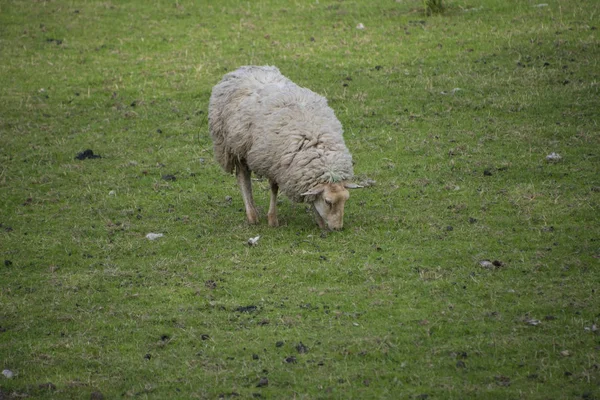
x=272 y=215
x=242 y=173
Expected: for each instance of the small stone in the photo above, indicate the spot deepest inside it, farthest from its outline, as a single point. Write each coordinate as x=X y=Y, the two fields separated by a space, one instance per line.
x=367 y=182
x=263 y=382
x=253 y=241
x=553 y=157
x=565 y=353
x=154 y=236
x=8 y=373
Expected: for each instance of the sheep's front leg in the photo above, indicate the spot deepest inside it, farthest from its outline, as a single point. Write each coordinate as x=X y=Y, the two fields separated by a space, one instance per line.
x=242 y=173
x=272 y=215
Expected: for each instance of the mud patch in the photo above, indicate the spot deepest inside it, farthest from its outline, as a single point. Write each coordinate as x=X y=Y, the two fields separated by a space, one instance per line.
x=87 y=154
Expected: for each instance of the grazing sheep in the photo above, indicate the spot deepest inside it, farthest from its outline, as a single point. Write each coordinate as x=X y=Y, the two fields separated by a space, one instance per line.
x=261 y=121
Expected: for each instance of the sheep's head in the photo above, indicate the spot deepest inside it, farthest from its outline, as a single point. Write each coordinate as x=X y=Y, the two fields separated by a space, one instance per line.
x=329 y=201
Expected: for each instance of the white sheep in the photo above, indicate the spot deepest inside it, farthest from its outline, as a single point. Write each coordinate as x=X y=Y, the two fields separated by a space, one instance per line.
x=261 y=121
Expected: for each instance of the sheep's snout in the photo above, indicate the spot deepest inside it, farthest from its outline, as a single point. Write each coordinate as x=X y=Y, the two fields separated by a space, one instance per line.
x=329 y=206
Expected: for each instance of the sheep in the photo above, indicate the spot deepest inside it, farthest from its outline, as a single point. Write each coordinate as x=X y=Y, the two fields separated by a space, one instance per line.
x=262 y=122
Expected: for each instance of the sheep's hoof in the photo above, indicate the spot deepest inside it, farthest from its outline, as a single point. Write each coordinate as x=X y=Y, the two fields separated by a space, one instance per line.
x=252 y=218
x=273 y=222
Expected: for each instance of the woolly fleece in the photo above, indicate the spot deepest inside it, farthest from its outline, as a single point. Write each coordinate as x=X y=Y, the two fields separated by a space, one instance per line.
x=280 y=130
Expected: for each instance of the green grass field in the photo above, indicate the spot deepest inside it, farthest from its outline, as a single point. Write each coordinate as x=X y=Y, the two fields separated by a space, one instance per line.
x=452 y=116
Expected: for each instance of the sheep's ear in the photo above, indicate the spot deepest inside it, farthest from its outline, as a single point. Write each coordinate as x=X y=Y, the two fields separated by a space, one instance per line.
x=313 y=192
x=352 y=186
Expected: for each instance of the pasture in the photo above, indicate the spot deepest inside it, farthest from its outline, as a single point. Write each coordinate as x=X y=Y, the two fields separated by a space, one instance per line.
x=469 y=264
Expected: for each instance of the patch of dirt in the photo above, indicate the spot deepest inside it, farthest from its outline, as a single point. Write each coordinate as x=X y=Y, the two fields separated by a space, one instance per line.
x=246 y=309
x=263 y=382
x=229 y=395
x=6 y=228
x=87 y=154
x=502 y=380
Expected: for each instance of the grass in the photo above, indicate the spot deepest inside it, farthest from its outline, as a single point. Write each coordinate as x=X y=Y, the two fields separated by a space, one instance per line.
x=452 y=115
x=433 y=7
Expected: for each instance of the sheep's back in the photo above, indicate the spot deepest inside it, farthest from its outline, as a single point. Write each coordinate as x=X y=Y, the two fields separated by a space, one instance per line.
x=282 y=131
x=232 y=112
x=297 y=141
